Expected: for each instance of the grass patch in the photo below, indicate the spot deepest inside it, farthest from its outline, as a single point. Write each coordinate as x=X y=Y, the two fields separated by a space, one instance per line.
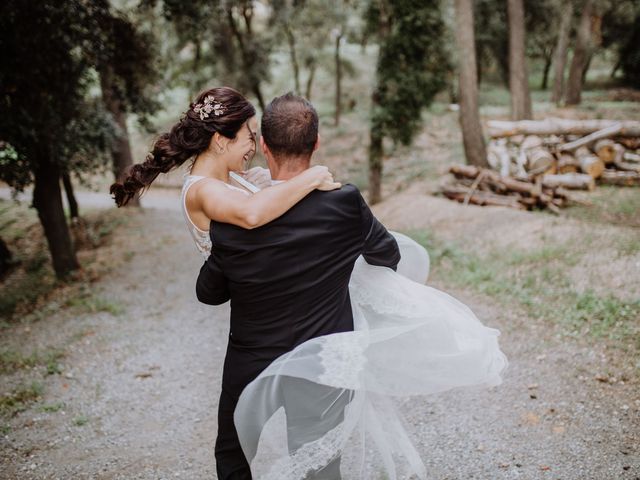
x=80 y=420
x=12 y=360
x=31 y=290
x=88 y=302
x=20 y=398
x=614 y=205
x=536 y=281
x=52 y=408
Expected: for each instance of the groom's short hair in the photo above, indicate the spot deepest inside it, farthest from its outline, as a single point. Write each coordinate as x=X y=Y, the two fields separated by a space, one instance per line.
x=290 y=126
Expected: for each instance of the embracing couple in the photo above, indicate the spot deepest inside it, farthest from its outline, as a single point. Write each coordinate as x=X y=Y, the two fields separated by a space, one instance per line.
x=330 y=316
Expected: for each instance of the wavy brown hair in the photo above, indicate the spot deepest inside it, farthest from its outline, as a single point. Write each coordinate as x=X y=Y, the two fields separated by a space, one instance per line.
x=186 y=139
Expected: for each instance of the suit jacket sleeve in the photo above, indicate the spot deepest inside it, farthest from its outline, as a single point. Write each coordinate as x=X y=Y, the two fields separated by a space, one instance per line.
x=212 y=286
x=380 y=247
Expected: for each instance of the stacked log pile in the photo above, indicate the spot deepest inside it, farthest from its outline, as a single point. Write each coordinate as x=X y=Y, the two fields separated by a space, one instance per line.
x=483 y=186
x=538 y=161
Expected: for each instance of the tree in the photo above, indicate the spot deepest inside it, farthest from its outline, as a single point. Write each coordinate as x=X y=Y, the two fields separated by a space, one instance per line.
x=45 y=113
x=125 y=61
x=621 y=33
x=224 y=33
x=411 y=69
x=630 y=55
x=518 y=74
x=582 y=52
x=474 y=146
x=561 y=52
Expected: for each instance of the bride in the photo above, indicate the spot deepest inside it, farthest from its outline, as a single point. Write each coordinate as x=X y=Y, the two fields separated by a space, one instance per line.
x=408 y=338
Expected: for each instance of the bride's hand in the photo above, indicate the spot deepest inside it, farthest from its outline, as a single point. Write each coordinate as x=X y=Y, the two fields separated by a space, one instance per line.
x=260 y=177
x=322 y=178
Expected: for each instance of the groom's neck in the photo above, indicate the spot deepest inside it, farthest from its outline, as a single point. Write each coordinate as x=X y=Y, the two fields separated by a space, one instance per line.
x=286 y=169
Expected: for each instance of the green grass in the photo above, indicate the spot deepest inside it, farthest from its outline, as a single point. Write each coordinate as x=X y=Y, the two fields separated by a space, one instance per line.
x=31 y=291
x=536 y=281
x=52 y=408
x=80 y=420
x=86 y=302
x=609 y=204
x=20 y=398
x=12 y=360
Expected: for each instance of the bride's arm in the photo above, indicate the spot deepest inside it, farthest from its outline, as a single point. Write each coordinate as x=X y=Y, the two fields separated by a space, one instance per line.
x=221 y=204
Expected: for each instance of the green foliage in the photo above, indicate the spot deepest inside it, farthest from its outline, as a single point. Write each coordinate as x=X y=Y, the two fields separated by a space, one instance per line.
x=412 y=64
x=630 y=54
x=129 y=54
x=542 y=18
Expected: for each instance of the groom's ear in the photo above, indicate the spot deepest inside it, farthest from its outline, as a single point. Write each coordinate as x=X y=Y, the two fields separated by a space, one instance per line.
x=317 y=145
x=263 y=146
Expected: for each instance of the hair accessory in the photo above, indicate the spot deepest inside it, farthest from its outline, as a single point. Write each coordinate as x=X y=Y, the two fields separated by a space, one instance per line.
x=210 y=105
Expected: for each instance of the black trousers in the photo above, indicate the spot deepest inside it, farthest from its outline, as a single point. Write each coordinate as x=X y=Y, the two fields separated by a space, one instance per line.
x=302 y=400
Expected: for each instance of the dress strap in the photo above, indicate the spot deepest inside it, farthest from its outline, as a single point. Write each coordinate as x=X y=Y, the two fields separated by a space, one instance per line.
x=246 y=184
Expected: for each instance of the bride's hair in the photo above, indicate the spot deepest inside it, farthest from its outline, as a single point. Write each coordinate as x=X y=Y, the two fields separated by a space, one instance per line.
x=222 y=110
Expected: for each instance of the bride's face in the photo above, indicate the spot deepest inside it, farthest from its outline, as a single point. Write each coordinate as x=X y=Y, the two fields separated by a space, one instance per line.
x=241 y=150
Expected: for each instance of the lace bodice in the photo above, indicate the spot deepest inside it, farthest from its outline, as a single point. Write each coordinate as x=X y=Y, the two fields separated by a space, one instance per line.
x=200 y=237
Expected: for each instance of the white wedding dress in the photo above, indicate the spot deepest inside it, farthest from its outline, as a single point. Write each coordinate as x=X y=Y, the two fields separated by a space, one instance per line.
x=408 y=339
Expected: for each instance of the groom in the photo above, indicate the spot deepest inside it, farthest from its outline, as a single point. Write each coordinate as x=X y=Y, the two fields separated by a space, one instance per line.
x=288 y=280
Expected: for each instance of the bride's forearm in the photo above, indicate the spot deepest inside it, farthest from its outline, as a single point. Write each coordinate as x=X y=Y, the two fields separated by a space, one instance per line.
x=251 y=211
x=270 y=203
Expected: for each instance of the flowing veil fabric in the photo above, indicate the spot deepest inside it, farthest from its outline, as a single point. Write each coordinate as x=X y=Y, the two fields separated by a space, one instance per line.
x=328 y=406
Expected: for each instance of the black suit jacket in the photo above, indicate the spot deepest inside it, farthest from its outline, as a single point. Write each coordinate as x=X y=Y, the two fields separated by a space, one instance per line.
x=288 y=280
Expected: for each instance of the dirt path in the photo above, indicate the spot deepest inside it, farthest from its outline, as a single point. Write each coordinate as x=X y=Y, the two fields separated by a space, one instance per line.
x=139 y=390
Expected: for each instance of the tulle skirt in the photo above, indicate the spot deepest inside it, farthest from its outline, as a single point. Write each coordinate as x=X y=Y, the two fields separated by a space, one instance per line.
x=326 y=410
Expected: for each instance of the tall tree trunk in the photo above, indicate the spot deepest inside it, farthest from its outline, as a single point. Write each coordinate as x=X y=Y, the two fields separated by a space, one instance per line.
x=6 y=258
x=587 y=64
x=518 y=75
x=376 y=154
x=580 y=56
x=121 y=155
x=338 y=99
x=48 y=202
x=294 y=58
x=474 y=146
x=545 y=73
x=71 y=198
x=246 y=55
x=561 y=53
x=312 y=72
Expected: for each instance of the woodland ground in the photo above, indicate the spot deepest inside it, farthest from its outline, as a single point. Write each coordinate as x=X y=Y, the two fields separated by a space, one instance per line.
x=116 y=375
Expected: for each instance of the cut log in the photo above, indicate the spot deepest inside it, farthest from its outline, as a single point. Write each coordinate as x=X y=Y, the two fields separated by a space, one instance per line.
x=630 y=143
x=627 y=166
x=574 y=181
x=468 y=171
x=589 y=163
x=606 y=150
x=567 y=163
x=591 y=138
x=498 y=157
x=539 y=159
x=559 y=126
x=631 y=157
x=481 y=198
x=623 y=179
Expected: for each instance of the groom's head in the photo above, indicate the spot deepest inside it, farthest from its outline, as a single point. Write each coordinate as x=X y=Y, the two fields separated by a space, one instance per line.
x=289 y=133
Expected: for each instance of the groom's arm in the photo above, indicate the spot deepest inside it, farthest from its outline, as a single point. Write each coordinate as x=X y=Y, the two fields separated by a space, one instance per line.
x=212 y=286
x=380 y=247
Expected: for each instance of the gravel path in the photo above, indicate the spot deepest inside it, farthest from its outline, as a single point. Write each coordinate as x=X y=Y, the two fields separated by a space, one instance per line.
x=140 y=389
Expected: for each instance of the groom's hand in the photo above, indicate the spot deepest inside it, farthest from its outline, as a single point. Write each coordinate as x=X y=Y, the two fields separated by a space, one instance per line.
x=212 y=287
